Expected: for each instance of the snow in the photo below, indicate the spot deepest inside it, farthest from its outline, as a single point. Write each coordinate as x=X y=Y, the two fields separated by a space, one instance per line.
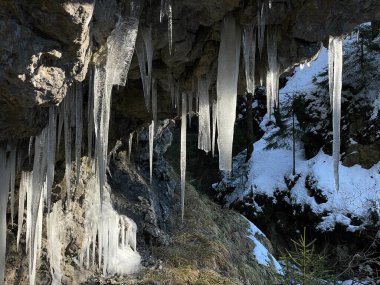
x=228 y=69
x=261 y=253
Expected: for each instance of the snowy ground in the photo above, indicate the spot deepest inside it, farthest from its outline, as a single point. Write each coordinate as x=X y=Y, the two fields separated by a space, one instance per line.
x=268 y=167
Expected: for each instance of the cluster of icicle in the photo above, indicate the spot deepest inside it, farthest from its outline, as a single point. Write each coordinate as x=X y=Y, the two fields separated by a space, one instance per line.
x=114 y=235
x=110 y=235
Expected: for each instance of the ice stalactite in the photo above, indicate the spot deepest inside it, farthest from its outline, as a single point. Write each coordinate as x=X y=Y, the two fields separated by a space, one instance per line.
x=12 y=176
x=204 y=133
x=172 y=88
x=4 y=190
x=273 y=71
x=228 y=69
x=249 y=52
x=190 y=106
x=336 y=104
x=37 y=197
x=151 y=147
x=261 y=22
x=111 y=234
x=78 y=127
x=121 y=46
x=144 y=51
x=147 y=36
x=130 y=145
x=30 y=147
x=67 y=132
x=331 y=54
x=214 y=115
x=90 y=114
x=154 y=100
x=167 y=10
x=54 y=243
x=25 y=187
x=51 y=144
x=183 y=152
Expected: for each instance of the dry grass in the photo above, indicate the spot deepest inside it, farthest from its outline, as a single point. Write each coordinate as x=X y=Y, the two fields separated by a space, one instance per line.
x=210 y=247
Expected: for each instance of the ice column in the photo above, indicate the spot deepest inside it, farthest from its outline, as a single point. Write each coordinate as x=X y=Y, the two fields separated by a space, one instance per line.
x=228 y=69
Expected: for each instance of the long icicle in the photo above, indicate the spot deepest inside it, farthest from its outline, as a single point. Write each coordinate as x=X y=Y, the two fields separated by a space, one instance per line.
x=78 y=128
x=337 y=92
x=25 y=185
x=183 y=153
x=67 y=131
x=4 y=190
x=228 y=70
x=331 y=54
x=51 y=144
x=249 y=52
x=151 y=147
x=214 y=115
x=12 y=177
x=204 y=134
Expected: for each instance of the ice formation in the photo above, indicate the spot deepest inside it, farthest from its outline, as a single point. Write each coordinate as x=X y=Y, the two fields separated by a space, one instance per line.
x=190 y=106
x=154 y=100
x=90 y=113
x=204 y=135
x=167 y=10
x=331 y=67
x=78 y=127
x=151 y=147
x=228 y=69
x=336 y=103
x=273 y=71
x=113 y=236
x=67 y=132
x=144 y=51
x=183 y=152
x=261 y=22
x=54 y=225
x=130 y=145
x=4 y=190
x=249 y=52
x=214 y=115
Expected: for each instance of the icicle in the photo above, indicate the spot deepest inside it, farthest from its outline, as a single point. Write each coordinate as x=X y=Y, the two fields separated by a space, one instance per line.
x=54 y=244
x=25 y=186
x=51 y=142
x=12 y=177
x=141 y=57
x=190 y=105
x=261 y=27
x=228 y=69
x=4 y=190
x=270 y=4
x=273 y=71
x=67 y=131
x=90 y=114
x=38 y=181
x=331 y=54
x=204 y=136
x=172 y=88
x=337 y=91
x=151 y=141
x=249 y=51
x=147 y=36
x=30 y=148
x=183 y=153
x=78 y=128
x=167 y=10
x=130 y=146
x=214 y=119
x=60 y=124
x=154 y=100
